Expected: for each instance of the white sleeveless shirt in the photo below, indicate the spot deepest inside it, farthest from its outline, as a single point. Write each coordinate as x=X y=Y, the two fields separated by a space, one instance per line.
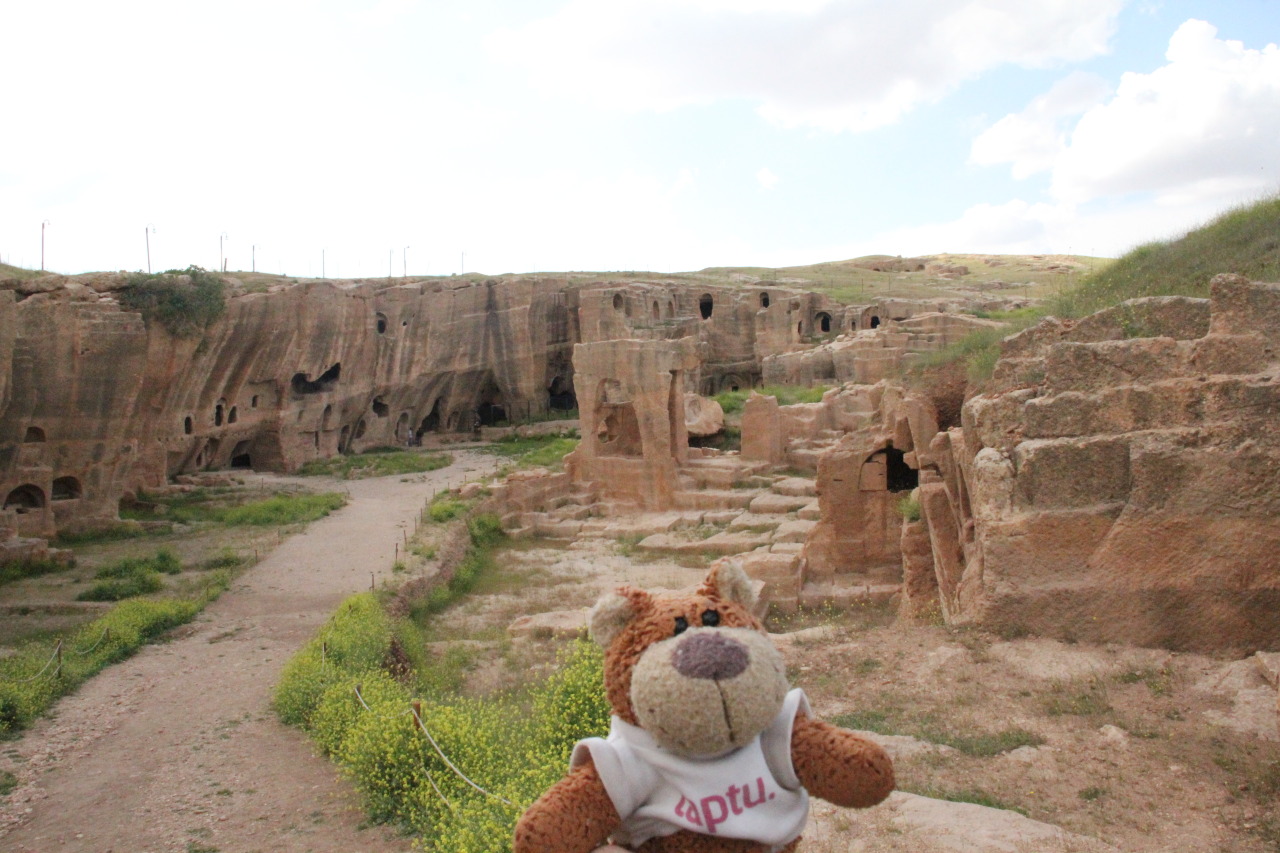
x=750 y=793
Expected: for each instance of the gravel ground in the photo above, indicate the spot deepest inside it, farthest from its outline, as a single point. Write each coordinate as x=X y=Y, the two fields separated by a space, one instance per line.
x=177 y=748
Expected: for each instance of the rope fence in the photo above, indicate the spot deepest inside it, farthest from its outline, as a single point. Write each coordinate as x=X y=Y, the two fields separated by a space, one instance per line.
x=415 y=709
x=55 y=657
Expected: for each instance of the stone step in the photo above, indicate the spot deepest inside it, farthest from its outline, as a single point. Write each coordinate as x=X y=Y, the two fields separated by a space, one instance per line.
x=797 y=486
x=720 y=544
x=810 y=512
x=819 y=595
x=753 y=521
x=772 y=503
x=794 y=531
x=715 y=499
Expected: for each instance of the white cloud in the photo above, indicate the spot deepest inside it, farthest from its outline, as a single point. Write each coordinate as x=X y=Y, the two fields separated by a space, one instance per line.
x=1203 y=127
x=834 y=65
x=1033 y=139
x=767 y=178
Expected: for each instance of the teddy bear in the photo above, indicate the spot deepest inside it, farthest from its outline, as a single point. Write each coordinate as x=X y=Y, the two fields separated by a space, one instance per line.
x=709 y=749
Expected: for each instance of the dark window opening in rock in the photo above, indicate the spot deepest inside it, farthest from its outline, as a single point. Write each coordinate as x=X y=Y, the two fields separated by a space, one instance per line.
x=402 y=427
x=302 y=385
x=344 y=438
x=764 y=299
x=853 y=324
x=824 y=321
x=361 y=427
x=656 y=311
x=66 y=489
x=34 y=434
x=380 y=408
x=325 y=416
x=382 y=323
x=490 y=414
x=901 y=476
x=232 y=417
x=217 y=415
x=617 y=302
x=560 y=396
x=800 y=328
x=240 y=457
x=875 y=322
x=431 y=423
x=491 y=407
x=705 y=304
x=25 y=499
x=253 y=403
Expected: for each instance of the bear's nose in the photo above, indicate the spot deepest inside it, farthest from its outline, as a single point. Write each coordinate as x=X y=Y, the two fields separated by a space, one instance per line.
x=710 y=655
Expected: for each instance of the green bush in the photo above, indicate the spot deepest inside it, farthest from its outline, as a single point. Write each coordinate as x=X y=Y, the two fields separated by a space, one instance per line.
x=503 y=748
x=26 y=691
x=380 y=462
x=29 y=568
x=909 y=508
x=283 y=509
x=142 y=582
x=446 y=508
x=185 y=309
x=539 y=451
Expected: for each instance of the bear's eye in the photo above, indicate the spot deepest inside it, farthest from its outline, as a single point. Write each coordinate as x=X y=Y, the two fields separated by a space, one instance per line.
x=710 y=618
x=682 y=624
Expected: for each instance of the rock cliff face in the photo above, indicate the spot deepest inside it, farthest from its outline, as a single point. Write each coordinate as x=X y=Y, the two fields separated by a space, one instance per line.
x=98 y=403
x=1125 y=483
x=95 y=403
x=1120 y=483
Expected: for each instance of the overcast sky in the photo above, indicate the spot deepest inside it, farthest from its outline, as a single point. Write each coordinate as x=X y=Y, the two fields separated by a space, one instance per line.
x=663 y=135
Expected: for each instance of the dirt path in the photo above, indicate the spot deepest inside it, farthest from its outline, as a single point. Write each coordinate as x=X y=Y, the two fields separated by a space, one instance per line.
x=177 y=749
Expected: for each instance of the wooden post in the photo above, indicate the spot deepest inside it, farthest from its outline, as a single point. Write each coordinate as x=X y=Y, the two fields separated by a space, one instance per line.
x=371 y=587
x=417 y=714
x=58 y=650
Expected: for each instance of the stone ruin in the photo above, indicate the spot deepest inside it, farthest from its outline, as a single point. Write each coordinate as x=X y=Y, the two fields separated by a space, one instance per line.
x=1119 y=480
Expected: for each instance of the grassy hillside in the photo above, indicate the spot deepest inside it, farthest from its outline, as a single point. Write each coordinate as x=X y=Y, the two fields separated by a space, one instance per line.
x=7 y=271
x=1245 y=240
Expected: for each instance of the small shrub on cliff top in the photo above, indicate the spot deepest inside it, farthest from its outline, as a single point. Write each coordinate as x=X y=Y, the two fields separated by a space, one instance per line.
x=184 y=308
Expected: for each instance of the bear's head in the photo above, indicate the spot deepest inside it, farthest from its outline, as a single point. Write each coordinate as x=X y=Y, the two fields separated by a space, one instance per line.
x=697 y=672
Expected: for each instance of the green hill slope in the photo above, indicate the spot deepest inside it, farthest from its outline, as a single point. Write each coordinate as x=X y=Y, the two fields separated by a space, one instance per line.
x=1245 y=241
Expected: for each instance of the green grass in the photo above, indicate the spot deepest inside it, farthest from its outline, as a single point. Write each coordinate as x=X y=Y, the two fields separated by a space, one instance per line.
x=32 y=679
x=733 y=401
x=1245 y=240
x=379 y=462
x=29 y=568
x=283 y=509
x=539 y=451
x=185 y=309
x=982 y=745
x=975 y=796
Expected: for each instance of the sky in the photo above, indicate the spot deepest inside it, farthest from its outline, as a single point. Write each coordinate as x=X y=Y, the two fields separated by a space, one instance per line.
x=431 y=137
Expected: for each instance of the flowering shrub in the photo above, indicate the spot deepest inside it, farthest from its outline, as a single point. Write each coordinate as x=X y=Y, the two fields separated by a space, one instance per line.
x=35 y=677
x=514 y=755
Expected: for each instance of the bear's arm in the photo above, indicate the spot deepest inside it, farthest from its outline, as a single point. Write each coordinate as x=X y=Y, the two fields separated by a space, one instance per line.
x=838 y=765
x=575 y=815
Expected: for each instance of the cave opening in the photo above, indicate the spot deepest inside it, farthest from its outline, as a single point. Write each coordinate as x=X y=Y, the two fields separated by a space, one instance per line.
x=325 y=382
x=25 y=498
x=560 y=396
x=431 y=423
x=380 y=408
x=901 y=476
x=764 y=299
x=66 y=489
x=875 y=322
x=34 y=435
x=705 y=306
x=240 y=456
x=382 y=323
x=824 y=321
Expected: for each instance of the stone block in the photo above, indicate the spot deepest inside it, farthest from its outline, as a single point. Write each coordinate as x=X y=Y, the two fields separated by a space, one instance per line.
x=1070 y=473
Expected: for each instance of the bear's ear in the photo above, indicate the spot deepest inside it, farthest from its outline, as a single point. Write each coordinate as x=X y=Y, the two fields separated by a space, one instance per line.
x=728 y=582
x=613 y=612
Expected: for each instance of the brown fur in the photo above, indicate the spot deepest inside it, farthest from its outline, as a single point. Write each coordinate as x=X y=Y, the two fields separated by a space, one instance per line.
x=576 y=814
